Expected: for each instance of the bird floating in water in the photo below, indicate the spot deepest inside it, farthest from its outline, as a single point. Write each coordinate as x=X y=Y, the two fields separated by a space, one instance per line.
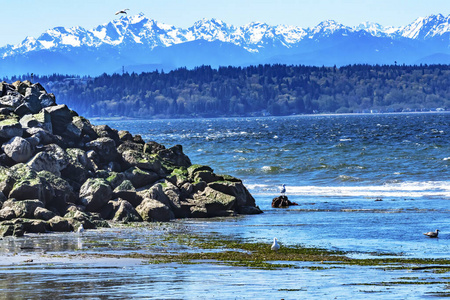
x=123 y=11
x=80 y=229
x=275 y=245
x=432 y=234
x=283 y=189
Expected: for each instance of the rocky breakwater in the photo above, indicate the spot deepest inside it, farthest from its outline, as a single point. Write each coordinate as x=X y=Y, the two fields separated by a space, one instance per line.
x=58 y=171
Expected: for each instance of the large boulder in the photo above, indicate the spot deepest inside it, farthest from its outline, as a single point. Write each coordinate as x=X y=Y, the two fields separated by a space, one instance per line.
x=63 y=192
x=105 y=148
x=130 y=145
x=43 y=213
x=39 y=120
x=174 y=156
x=43 y=136
x=95 y=193
x=23 y=208
x=216 y=203
x=235 y=188
x=124 y=211
x=60 y=116
x=52 y=159
x=11 y=228
x=85 y=126
x=9 y=128
x=126 y=191
x=7 y=213
x=140 y=178
x=60 y=224
x=152 y=210
x=153 y=147
x=28 y=184
x=18 y=149
x=143 y=161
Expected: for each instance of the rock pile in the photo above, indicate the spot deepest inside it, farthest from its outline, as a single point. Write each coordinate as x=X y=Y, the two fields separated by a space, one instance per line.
x=58 y=171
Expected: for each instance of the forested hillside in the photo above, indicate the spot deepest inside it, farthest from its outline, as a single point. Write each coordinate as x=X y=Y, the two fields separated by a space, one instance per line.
x=255 y=90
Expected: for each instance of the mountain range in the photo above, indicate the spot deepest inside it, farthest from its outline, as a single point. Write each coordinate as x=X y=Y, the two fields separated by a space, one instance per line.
x=137 y=43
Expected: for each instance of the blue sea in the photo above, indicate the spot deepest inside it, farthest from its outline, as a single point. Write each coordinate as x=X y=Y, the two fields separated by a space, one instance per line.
x=365 y=184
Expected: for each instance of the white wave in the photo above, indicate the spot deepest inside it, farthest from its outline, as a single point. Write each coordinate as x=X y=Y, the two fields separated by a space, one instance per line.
x=405 y=189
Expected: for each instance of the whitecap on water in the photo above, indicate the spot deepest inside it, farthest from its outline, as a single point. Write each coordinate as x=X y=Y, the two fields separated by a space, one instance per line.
x=269 y=169
x=404 y=190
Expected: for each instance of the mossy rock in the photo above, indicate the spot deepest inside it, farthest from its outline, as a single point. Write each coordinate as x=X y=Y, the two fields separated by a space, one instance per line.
x=197 y=168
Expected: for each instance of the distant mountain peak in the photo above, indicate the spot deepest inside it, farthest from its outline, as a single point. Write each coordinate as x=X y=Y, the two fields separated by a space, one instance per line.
x=127 y=34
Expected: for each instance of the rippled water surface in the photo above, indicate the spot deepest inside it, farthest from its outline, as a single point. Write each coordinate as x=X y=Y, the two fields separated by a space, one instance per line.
x=364 y=184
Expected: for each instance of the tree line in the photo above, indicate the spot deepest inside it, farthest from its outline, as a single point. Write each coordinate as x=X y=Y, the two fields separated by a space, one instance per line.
x=254 y=91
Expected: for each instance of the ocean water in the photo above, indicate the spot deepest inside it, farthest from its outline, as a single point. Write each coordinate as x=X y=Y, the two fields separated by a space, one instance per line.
x=364 y=183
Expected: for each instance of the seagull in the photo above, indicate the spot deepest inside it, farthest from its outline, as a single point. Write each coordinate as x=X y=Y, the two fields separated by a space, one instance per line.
x=80 y=229
x=275 y=245
x=283 y=189
x=123 y=11
x=432 y=234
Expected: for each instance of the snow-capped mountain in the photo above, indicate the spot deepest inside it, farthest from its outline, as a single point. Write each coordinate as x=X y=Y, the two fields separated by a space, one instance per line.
x=139 y=41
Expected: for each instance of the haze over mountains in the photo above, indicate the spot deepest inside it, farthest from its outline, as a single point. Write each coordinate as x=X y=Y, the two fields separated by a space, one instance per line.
x=137 y=44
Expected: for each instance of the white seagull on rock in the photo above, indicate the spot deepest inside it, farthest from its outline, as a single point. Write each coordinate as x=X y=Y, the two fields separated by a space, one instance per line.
x=80 y=229
x=123 y=11
x=275 y=245
x=283 y=189
x=432 y=234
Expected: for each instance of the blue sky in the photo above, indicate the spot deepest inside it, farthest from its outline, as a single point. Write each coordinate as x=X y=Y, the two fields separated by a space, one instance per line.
x=31 y=17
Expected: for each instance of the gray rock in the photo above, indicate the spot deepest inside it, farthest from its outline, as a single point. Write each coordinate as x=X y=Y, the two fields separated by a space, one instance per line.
x=105 y=147
x=141 y=160
x=140 y=178
x=95 y=193
x=115 y=179
x=153 y=147
x=85 y=126
x=127 y=192
x=18 y=149
x=10 y=128
x=41 y=120
x=60 y=116
x=23 y=208
x=47 y=100
x=215 y=202
x=28 y=185
x=125 y=135
x=45 y=136
x=106 y=131
x=34 y=226
x=175 y=156
x=77 y=217
x=52 y=159
x=129 y=145
x=124 y=211
x=8 y=228
x=43 y=213
x=236 y=189
x=59 y=224
x=153 y=210
x=7 y=213
x=63 y=192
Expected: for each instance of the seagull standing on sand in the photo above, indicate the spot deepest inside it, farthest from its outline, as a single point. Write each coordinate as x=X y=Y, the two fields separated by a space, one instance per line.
x=432 y=234
x=275 y=245
x=283 y=189
x=123 y=11
x=80 y=229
